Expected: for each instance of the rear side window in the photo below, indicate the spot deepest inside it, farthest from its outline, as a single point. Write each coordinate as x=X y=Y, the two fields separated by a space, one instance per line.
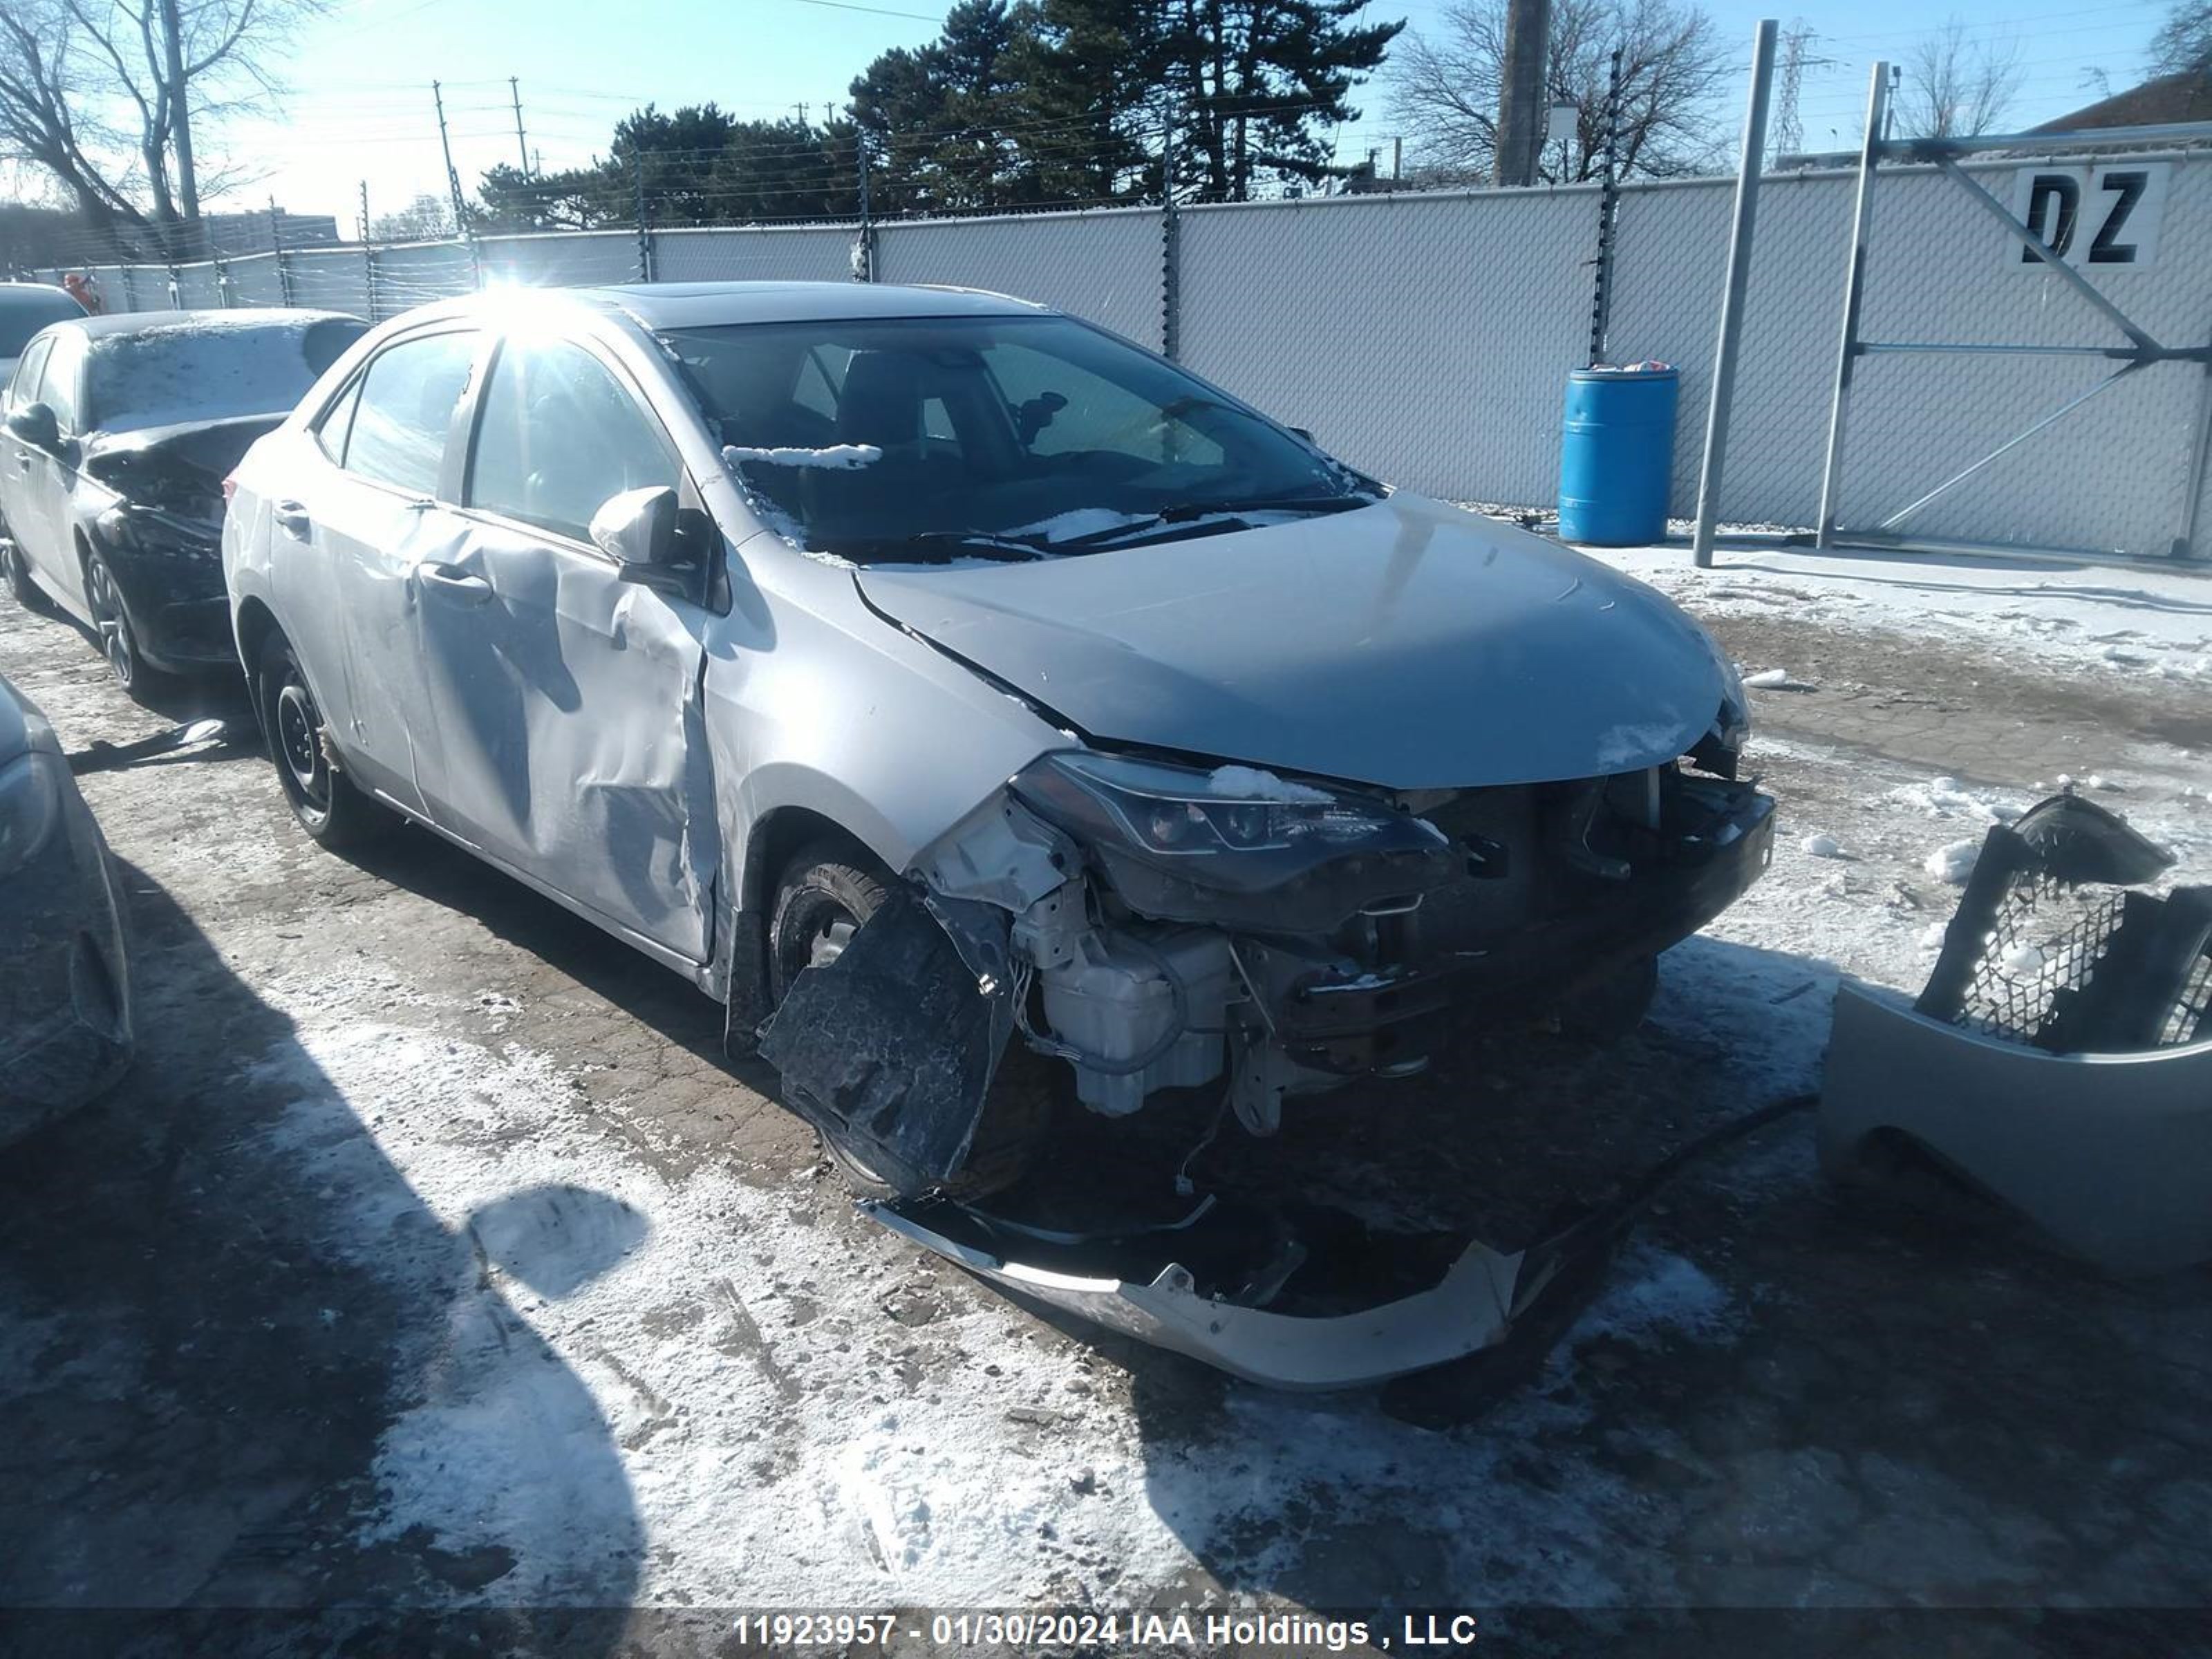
x=403 y=408
x=337 y=421
x=558 y=436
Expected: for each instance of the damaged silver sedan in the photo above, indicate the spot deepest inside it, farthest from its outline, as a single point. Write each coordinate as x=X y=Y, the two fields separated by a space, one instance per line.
x=924 y=673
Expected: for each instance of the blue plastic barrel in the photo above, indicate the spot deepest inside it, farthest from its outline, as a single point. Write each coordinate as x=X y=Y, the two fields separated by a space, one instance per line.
x=1617 y=456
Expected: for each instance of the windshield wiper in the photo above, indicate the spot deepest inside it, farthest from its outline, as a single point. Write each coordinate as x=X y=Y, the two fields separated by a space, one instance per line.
x=940 y=547
x=1184 y=512
x=1189 y=512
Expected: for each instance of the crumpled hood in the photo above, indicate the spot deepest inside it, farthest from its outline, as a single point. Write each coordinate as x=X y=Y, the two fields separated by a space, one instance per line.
x=174 y=465
x=1408 y=644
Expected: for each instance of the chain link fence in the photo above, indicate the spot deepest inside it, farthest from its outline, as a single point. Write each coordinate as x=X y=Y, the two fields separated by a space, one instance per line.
x=1426 y=336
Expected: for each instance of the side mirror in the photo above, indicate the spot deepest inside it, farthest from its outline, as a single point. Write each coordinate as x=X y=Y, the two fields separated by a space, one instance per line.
x=34 y=423
x=637 y=530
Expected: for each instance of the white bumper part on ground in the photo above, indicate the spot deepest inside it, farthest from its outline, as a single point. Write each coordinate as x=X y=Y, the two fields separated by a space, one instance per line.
x=1470 y=1307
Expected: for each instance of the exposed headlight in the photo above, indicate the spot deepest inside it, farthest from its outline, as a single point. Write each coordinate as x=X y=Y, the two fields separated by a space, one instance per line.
x=150 y=529
x=30 y=806
x=1180 y=811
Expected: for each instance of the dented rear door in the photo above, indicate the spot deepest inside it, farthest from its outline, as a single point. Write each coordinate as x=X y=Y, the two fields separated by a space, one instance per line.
x=572 y=743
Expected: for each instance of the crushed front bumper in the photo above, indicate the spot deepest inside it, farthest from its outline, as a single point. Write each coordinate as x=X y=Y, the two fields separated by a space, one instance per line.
x=1470 y=1307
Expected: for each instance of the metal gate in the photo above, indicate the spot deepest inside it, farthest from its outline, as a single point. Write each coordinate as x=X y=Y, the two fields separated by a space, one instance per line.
x=2043 y=390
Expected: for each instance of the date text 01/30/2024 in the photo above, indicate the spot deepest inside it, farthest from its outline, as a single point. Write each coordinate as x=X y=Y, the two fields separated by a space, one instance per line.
x=1286 y=1631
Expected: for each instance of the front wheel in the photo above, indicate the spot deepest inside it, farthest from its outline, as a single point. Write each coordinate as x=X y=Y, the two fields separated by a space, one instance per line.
x=118 y=642
x=330 y=808
x=825 y=896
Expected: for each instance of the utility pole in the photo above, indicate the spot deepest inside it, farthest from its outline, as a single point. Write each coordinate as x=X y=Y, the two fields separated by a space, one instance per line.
x=446 y=144
x=1522 y=107
x=172 y=48
x=802 y=109
x=364 y=212
x=522 y=145
x=454 y=184
x=1398 y=157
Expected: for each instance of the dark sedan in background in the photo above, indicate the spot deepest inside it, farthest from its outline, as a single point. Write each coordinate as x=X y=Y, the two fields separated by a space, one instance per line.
x=120 y=431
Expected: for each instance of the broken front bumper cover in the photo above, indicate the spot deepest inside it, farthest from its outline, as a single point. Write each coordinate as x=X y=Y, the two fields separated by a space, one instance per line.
x=1471 y=1306
x=2108 y=1153
x=2060 y=1057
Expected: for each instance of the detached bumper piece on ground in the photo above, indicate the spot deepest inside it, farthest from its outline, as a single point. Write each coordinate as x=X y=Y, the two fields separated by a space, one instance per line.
x=2061 y=1056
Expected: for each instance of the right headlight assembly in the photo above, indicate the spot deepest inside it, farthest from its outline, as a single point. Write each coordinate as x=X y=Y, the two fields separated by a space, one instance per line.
x=1180 y=841
x=30 y=806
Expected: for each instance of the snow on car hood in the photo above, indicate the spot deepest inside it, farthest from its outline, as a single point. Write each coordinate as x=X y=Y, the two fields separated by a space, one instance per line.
x=1408 y=644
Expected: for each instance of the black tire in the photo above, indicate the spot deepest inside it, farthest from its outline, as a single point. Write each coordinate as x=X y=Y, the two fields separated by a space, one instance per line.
x=328 y=807
x=119 y=643
x=826 y=893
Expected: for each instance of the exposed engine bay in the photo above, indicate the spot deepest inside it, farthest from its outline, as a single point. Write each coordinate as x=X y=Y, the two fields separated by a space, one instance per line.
x=1157 y=927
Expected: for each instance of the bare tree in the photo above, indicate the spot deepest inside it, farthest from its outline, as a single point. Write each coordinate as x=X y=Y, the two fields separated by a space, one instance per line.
x=1444 y=88
x=159 y=65
x=2184 y=41
x=1953 y=87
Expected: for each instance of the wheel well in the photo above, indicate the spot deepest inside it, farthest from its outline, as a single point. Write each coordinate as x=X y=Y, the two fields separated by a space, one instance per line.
x=256 y=623
x=769 y=847
x=775 y=838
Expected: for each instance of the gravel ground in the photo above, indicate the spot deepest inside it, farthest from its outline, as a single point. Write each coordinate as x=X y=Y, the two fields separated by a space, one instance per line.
x=430 y=1259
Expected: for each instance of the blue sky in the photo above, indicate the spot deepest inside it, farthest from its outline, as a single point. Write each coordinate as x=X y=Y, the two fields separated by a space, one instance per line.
x=359 y=106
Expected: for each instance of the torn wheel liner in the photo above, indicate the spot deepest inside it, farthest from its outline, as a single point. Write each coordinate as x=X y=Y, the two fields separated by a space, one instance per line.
x=890 y=1048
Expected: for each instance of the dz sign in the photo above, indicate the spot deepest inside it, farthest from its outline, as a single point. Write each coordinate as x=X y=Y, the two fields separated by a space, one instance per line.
x=2103 y=218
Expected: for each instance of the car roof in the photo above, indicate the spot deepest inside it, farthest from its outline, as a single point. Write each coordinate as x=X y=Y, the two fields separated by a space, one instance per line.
x=42 y=295
x=707 y=305
x=199 y=322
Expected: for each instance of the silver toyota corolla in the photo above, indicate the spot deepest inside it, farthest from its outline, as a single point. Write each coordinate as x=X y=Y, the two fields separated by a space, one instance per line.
x=922 y=671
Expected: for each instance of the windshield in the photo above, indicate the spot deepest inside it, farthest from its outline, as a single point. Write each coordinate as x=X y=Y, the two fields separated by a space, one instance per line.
x=25 y=310
x=208 y=370
x=894 y=439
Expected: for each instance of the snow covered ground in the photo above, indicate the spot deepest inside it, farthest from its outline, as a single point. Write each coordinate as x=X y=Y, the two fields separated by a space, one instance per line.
x=595 y=1326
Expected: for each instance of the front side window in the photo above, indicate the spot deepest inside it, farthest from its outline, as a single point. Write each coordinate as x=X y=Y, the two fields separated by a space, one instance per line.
x=558 y=436
x=23 y=388
x=404 y=409
x=890 y=439
x=57 y=384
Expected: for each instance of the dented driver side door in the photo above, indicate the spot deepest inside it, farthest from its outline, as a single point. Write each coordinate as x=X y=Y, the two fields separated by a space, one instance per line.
x=572 y=740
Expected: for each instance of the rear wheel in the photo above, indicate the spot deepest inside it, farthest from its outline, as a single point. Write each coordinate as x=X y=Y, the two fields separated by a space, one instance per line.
x=827 y=893
x=328 y=806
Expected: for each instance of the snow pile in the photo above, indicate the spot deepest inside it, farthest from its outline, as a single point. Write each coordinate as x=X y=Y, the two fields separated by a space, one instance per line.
x=1954 y=861
x=1251 y=783
x=2159 y=622
x=1823 y=846
x=1947 y=798
x=836 y=458
x=1769 y=679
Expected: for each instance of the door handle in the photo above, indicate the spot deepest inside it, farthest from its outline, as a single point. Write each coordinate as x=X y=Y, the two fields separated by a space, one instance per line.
x=293 y=519
x=451 y=578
